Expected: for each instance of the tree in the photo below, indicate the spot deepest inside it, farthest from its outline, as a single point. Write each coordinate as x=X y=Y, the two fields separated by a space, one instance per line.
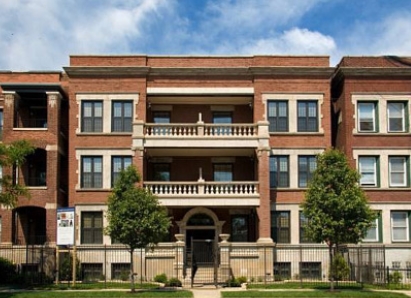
x=134 y=215
x=335 y=206
x=13 y=155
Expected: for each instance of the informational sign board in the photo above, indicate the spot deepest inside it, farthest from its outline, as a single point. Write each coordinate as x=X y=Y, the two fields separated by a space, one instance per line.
x=65 y=226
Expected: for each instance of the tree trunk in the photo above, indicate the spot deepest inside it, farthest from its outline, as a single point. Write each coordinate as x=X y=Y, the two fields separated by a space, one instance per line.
x=330 y=251
x=133 y=289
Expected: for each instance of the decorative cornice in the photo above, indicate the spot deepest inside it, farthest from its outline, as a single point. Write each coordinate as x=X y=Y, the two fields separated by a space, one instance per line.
x=373 y=71
x=85 y=71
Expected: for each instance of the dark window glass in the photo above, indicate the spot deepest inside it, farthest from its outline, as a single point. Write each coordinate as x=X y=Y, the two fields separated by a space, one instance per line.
x=239 y=228
x=278 y=116
x=280 y=226
x=118 y=164
x=311 y=270
x=92 y=172
x=91 y=227
x=161 y=172
x=307 y=116
x=92 y=116
x=306 y=168
x=122 y=116
x=282 y=270
x=279 y=171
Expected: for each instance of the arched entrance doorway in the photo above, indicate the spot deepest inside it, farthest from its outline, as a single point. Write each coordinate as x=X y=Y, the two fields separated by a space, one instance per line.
x=29 y=225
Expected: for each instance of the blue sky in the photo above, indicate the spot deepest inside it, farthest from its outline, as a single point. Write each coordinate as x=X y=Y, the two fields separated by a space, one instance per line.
x=41 y=34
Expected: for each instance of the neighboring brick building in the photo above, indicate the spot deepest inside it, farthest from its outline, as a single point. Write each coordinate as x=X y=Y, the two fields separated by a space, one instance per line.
x=372 y=99
x=228 y=144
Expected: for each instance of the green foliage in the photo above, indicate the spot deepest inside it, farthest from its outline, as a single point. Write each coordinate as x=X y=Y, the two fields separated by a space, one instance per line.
x=339 y=268
x=161 y=278
x=134 y=215
x=13 y=155
x=174 y=282
x=66 y=268
x=395 y=277
x=335 y=206
x=236 y=282
x=7 y=271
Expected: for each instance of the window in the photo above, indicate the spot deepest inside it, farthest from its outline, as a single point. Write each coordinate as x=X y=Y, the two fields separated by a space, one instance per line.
x=161 y=118
x=311 y=270
x=368 y=170
x=306 y=168
x=118 y=164
x=278 y=116
x=239 y=228
x=222 y=118
x=374 y=233
x=122 y=116
x=307 y=116
x=92 y=118
x=223 y=172
x=1 y=228
x=92 y=271
x=303 y=234
x=279 y=171
x=398 y=171
x=282 y=270
x=367 y=116
x=396 y=116
x=399 y=226
x=120 y=271
x=161 y=172
x=92 y=227
x=280 y=226
x=92 y=172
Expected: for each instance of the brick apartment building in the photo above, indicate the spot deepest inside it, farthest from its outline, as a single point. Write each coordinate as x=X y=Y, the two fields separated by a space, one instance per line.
x=228 y=144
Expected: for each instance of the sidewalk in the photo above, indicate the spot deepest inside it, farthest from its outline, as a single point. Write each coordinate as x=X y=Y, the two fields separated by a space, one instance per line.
x=211 y=292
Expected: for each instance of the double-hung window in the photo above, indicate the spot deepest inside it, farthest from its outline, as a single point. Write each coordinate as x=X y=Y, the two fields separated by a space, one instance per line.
x=122 y=112
x=367 y=116
x=400 y=226
x=398 y=171
x=223 y=172
x=92 y=172
x=307 y=116
x=280 y=226
x=92 y=116
x=368 y=170
x=118 y=164
x=303 y=235
x=278 y=116
x=160 y=117
x=279 y=171
x=396 y=116
x=161 y=172
x=239 y=228
x=92 y=227
x=306 y=168
x=224 y=119
x=375 y=231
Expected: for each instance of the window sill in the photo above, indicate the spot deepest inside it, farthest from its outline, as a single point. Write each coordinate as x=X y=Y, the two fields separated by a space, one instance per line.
x=296 y=133
x=36 y=187
x=93 y=189
x=104 y=134
x=385 y=134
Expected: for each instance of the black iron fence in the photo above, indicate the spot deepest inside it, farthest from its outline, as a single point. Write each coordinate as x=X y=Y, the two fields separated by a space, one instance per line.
x=231 y=264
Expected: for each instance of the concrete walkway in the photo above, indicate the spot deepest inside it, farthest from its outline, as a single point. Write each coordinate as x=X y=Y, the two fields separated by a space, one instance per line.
x=211 y=292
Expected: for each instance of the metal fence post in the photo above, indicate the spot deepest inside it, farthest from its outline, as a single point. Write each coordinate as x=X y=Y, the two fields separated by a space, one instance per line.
x=105 y=265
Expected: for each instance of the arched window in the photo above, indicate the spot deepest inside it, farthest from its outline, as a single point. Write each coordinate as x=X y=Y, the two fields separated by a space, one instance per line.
x=200 y=219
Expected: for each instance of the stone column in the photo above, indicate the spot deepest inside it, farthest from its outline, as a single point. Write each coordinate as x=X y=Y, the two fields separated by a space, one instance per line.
x=53 y=112
x=179 y=259
x=225 y=268
x=265 y=261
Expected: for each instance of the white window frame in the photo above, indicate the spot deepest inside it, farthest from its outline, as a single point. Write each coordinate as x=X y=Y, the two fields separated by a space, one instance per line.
x=360 y=167
x=404 y=171
x=375 y=227
x=402 y=116
x=404 y=226
x=374 y=124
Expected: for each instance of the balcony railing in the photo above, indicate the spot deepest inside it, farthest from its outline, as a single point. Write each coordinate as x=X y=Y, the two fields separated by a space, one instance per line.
x=236 y=188
x=201 y=129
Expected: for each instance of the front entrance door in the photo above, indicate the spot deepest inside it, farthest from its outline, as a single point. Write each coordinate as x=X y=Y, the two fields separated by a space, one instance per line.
x=202 y=256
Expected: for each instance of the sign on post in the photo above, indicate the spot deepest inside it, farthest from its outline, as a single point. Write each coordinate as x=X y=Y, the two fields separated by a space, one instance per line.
x=65 y=226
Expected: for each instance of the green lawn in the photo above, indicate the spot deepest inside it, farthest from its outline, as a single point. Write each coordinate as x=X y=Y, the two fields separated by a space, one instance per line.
x=315 y=293
x=96 y=294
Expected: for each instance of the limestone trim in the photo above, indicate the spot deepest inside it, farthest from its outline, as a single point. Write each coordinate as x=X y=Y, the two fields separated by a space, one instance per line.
x=200 y=90
x=218 y=224
x=292 y=99
x=106 y=155
x=107 y=99
x=381 y=101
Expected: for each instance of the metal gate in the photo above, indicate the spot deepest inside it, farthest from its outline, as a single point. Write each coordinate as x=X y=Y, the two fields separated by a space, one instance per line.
x=204 y=262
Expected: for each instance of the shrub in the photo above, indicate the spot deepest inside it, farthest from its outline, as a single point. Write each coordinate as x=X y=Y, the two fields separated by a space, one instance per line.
x=395 y=277
x=174 y=282
x=339 y=268
x=66 y=268
x=7 y=271
x=161 y=278
x=236 y=282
